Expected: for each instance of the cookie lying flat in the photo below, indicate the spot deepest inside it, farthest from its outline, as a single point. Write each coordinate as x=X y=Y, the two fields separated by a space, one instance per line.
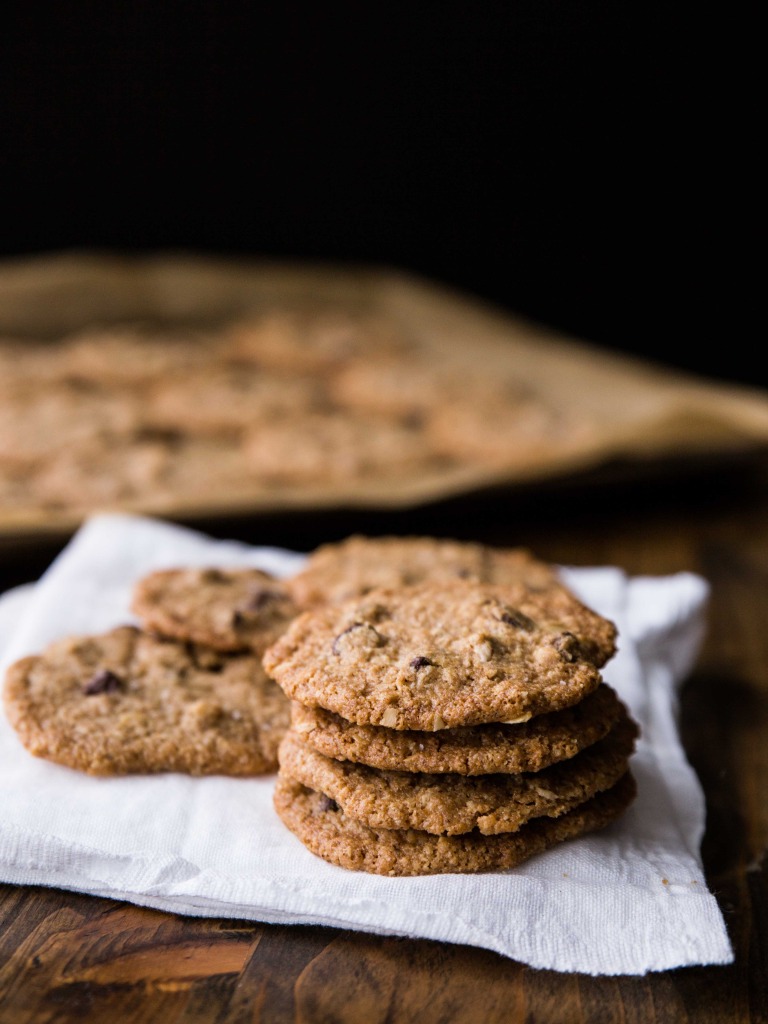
x=454 y=804
x=218 y=400
x=333 y=446
x=350 y=568
x=353 y=567
x=474 y=750
x=325 y=830
x=311 y=341
x=228 y=609
x=440 y=655
x=126 y=702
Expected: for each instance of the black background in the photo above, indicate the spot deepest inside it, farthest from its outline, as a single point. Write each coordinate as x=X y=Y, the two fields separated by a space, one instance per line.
x=590 y=165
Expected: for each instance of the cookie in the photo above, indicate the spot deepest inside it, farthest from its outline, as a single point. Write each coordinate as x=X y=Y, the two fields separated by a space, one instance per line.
x=474 y=750
x=126 y=702
x=351 y=567
x=326 y=831
x=451 y=804
x=327 y=446
x=38 y=427
x=439 y=655
x=82 y=477
x=310 y=341
x=129 y=355
x=201 y=467
x=404 y=388
x=502 y=432
x=500 y=420
x=230 y=609
x=221 y=400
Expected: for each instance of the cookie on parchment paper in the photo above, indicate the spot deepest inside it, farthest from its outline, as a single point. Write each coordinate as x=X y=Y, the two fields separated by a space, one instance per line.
x=330 y=447
x=126 y=702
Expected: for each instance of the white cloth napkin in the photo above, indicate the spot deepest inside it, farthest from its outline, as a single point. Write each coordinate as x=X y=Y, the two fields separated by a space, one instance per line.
x=628 y=900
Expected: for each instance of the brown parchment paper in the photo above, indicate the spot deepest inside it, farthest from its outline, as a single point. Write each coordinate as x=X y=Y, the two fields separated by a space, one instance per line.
x=635 y=410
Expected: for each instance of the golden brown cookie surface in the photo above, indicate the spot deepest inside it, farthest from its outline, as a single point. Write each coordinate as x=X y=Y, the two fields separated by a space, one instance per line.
x=350 y=568
x=474 y=750
x=125 y=702
x=231 y=609
x=328 y=833
x=449 y=804
x=440 y=655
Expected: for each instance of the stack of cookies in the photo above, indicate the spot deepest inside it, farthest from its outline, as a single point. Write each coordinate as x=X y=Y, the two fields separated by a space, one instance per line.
x=448 y=711
x=185 y=692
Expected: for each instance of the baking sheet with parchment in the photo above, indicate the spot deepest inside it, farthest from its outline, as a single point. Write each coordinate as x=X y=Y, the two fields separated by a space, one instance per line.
x=635 y=410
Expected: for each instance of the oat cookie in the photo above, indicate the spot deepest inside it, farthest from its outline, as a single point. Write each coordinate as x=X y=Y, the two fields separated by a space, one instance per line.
x=409 y=388
x=81 y=477
x=221 y=400
x=351 y=567
x=440 y=655
x=451 y=804
x=328 y=446
x=499 y=431
x=474 y=750
x=329 y=833
x=311 y=341
x=194 y=458
x=130 y=354
x=126 y=702
x=44 y=424
x=338 y=571
x=230 y=609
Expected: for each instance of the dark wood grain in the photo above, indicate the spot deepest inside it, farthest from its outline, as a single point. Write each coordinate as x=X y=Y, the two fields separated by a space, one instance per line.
x=68 y=957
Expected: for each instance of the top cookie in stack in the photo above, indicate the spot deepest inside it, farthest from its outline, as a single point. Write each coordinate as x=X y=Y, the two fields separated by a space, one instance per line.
x=430 y=687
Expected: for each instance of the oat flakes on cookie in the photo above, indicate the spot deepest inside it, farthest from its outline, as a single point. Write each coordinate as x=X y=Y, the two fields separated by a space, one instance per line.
x=320 y=824
x=351 y=567
x=472 y=750
x=450 y=804
x=434 y=656
x=230 y=609
x=126 y=702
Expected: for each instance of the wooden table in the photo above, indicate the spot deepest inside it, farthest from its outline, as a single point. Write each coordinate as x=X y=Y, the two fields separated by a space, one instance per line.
x=67 y=957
